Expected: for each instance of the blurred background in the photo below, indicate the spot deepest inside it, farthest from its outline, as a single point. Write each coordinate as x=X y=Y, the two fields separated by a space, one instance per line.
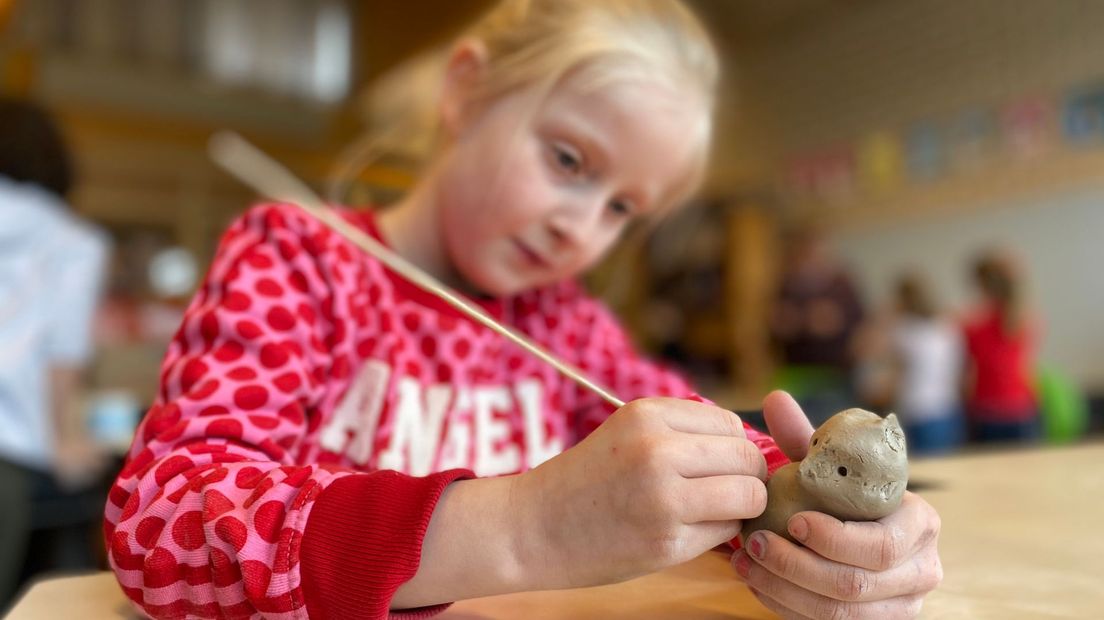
x=906 y=198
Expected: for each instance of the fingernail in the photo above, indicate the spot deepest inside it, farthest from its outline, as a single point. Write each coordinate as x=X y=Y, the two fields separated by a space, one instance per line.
x=799 y=528
x=742 y=564
x=757 y=545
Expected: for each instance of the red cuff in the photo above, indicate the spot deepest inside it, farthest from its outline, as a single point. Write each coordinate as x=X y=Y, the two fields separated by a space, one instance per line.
x=363 y=540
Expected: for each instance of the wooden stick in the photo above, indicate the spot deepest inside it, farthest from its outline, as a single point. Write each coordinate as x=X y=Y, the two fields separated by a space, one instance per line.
x=259 y=171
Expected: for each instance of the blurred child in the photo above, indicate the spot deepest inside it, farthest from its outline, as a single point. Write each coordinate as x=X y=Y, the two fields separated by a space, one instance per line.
x=927 y=355
x=51 y=270
x=816 y=323
x=1000 y=343
x=329 y=439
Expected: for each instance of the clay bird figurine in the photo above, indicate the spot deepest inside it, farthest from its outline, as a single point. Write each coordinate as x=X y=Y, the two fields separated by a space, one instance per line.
x=856 y=470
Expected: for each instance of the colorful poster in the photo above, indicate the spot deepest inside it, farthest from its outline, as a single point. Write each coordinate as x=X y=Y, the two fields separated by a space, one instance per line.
x=880 y=162
x=1083 y=116
x=1028 y=127
x=925 y=153
x=826 y=176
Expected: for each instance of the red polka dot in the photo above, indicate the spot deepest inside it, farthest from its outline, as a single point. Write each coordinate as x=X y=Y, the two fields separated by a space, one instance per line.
x=429 y=346
x=259 y=261
x=298 y=281
x=411 y=321
x=248 y=477
x=255 y=577
x=120 y=553
x=265 y=422
x=266 y=484
x=250 y=397
x=287 y=249
x=412 y=369
x=293 y=413
x=159 y=420
x=209 y=328
x=160 y=569
x=341 y=368
x=215 y=504
x=248 y=330
x=213 y=410
x=273 y=356
x=374 y=294
x=172 y=467
x=461 y=347
x=205 y=388
x=280 y=319
x=148 y=530
x=225 y=427
x=242 y=373
x=224 y=572
x=269 y=288
x=344 y=254
x=444 y=373
x=287 y=382
x=237 y=301
x=229 y=351
x=187 y=530
x=293 y=347
x=118 y=495
x=232 y=531
x=514 y=363
x=366 y=347
x=268 y=520
x=193 y=372
x=172 y=434
x=298 y=476
x=307 y=313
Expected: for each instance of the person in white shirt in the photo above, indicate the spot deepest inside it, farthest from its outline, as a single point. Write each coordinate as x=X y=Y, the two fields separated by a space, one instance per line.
x=927 y=357
x=51 y=271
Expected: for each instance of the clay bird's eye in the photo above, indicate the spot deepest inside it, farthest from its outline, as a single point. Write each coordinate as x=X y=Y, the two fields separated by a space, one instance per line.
x=816 y=441
x=842 y=471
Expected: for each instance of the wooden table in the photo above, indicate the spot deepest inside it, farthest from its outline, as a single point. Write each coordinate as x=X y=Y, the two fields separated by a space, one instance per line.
x=1023 y=537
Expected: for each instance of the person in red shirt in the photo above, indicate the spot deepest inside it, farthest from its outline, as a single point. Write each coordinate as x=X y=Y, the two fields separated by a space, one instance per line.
x=1000 y=340
x=330 y=441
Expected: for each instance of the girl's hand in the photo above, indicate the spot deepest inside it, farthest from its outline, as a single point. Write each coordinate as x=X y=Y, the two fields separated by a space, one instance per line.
x=660 y=482
x=877 y=569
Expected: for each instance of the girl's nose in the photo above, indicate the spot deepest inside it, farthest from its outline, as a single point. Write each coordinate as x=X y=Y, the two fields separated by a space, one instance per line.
x=572 y=225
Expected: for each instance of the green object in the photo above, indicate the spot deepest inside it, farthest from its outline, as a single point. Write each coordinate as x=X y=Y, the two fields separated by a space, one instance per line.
x=1062 y=406
x=802 y=381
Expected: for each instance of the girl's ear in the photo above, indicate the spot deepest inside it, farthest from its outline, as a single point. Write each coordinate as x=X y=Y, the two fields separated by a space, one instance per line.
x=464 y=74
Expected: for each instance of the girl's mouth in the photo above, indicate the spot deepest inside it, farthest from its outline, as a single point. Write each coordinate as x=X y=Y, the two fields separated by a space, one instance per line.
x=530 y=256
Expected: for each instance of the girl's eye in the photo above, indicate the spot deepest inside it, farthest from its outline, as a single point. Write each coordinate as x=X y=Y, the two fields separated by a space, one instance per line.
x=621 y=208
x=567 y=161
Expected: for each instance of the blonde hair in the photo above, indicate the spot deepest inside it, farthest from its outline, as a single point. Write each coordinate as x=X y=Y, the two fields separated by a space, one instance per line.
x=536 y=44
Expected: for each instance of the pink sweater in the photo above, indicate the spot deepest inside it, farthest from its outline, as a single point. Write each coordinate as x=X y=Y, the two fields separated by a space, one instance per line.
x=312 y=408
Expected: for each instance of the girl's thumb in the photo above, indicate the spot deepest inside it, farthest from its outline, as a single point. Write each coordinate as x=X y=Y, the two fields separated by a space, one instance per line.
x=787 y=424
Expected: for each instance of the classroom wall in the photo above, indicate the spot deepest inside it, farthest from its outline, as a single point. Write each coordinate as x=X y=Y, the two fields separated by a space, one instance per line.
x=884 y=65
x=1059 y=239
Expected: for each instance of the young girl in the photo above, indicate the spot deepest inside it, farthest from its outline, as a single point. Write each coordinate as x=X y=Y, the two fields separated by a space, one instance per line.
x=331 y=441
x=1000 y=342
x=927 y=356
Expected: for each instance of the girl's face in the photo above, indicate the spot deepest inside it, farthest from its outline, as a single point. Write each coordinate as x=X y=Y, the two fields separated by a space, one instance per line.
x=531 y=194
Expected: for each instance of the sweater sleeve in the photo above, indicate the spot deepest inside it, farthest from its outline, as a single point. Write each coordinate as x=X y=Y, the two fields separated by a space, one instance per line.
x=609 y=356
x=215 y=513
